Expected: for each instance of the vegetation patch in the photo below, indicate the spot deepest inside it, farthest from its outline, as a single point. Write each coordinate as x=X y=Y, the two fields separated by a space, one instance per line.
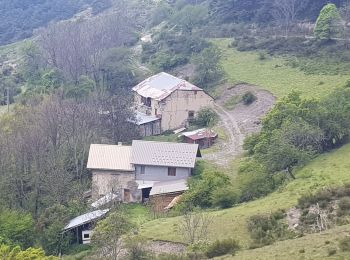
x=273 y=74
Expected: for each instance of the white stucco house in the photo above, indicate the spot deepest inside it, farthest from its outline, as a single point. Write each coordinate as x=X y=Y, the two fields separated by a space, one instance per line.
x=137 y=172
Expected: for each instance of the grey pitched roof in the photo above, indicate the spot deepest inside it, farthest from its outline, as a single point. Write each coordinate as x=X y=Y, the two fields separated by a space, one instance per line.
x=164 y=154
x=169 y=187
x=86 y=218
x=110 y=157
x=162 y=85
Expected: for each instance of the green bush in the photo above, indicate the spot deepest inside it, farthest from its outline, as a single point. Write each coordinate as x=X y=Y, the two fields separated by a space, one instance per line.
x=248 y=98
x=225 y=197
x=268 y=228
x=222 y=247
x=17 y=228
x=206 y=117
x=344 y=244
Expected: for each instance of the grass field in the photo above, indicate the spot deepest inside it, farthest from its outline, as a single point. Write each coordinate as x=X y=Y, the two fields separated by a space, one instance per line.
x=273 y=74
x=314 y=246
x=330 y=169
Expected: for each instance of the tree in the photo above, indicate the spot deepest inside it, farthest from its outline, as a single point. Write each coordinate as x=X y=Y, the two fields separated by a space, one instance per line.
x=285 y=12
x=189 y=17
x=208 y=67
x=327 y=24
x=194 y=227
x=107 y=236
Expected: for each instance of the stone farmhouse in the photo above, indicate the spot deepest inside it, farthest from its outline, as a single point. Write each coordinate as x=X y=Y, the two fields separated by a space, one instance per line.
x=164 y=102
x=141 y=172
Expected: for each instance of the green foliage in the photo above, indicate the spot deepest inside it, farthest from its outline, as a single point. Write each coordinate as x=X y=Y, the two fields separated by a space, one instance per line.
x=296 y=130
x=206 y=117
x=266 y=229
x=225 y=197
x=202 y=188
x=327 y=24
x=108 y=232
x=50 y=225
x=253 y=181
x=38 y=14
x=189 y=17
x=248 y=98
x=17 y=228
x=222 y=247
x=16 y=253
x=208 y=67
x=344 y=244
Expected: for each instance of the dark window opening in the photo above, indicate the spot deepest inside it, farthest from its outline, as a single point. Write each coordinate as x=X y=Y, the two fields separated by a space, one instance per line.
x=171 y=171
x=146 y=101
x=86 y=235
x=142 y=170
x=190 y=115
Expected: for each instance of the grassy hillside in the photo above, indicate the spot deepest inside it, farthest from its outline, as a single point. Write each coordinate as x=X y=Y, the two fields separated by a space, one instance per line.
x=314 y=246
x=273 y=74
x=326 y=170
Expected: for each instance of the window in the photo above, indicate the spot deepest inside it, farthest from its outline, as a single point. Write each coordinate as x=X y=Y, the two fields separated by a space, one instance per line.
x=142 y=170
x=146 y=101
x=171 y=171
x=190 y=115
x=86 y=235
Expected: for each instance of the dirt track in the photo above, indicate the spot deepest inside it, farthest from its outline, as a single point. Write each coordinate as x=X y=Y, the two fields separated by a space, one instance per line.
x=239 y=122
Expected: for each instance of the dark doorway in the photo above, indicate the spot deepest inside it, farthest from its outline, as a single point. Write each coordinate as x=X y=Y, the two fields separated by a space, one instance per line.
x=145 y=194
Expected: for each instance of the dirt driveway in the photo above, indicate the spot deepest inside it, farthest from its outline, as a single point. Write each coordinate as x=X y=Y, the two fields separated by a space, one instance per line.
x=239 y=122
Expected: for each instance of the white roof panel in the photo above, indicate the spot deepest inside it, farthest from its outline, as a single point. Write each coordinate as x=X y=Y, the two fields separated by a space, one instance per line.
x=162 y=85
x=104 y=200
x=86 y=218
x=169 y=187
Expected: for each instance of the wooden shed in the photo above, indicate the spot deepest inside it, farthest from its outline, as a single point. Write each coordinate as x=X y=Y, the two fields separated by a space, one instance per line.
x=203 y=137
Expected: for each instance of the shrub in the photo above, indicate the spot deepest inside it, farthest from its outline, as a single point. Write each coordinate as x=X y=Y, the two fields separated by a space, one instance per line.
x=344 y=203
x=225 y=197
x=222 y=247
x=248 y=98
x=331 y=251
x=266 y=229
x=344 y=244
x=206 y=117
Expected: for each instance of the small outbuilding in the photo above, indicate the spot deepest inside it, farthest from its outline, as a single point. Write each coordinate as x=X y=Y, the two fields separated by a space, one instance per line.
x=83 y=225
x=203 y=137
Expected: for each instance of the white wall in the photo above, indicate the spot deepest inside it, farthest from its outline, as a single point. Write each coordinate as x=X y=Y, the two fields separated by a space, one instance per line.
x=159 y=173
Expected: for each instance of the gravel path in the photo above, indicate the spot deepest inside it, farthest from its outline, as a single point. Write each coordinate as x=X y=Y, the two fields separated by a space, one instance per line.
x=239 y=122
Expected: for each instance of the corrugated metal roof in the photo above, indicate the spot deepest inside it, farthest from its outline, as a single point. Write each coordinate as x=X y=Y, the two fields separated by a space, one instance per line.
x=86 y=218
x=200 y=134
x=142 y=118
x=162 y=85
x=164 y=154
x=110 y=157
x=169 y=187
x=104 y=200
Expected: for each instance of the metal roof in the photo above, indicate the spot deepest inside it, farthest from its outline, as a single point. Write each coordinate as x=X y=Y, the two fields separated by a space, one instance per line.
x=110 y=157
x=142 y=118
x=162 y=85
x=86 y=218
x=169 y=187
x=164 y=154
x=104 y=200
x=200 y=134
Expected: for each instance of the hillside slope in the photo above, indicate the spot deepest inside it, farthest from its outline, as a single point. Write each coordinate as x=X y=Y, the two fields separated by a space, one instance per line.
x=329 y=169
x=273 y=74
x=314 y=246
